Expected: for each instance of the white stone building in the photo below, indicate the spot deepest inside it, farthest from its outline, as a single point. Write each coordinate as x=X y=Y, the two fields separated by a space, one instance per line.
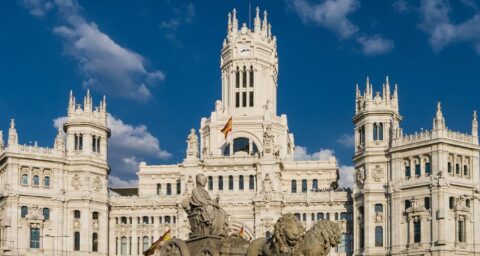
x=415 y=194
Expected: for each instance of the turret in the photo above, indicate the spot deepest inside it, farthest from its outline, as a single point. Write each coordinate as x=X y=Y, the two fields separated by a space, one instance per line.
x=12 y=135
x=439 y=121
x=475 y=125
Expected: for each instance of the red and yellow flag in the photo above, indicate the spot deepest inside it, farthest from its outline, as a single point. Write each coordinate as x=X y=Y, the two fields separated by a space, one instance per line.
x=241 y=233
x=165 y=237
x=227 y=128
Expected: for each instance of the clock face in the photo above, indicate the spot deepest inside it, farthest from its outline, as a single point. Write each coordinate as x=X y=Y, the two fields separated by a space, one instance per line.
x=243 y=50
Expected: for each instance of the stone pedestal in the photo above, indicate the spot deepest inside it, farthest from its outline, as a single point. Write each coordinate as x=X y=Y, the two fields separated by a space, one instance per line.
x=217 y=246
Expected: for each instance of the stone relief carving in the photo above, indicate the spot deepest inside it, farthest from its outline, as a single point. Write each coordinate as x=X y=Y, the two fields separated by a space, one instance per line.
x=360 y=177
x=377 y=173
x=97 y=184
x=192 y=145
x=76 y=182
x=267 y=189
x=268 y=140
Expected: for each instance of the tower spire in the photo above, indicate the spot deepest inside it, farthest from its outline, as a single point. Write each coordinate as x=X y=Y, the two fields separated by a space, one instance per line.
x=474 y=124
x=265 y=23
x=439 y=121
x=229 y=27
x=256 y=20
x=234 y=21
x=12 y=134
x=71 y=103
x=387 y=89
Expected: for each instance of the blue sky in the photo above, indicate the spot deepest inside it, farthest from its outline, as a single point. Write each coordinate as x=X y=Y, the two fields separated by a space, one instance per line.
x=158 y=64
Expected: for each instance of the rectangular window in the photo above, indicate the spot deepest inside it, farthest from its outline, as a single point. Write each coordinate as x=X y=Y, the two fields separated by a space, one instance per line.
x=250 y=95
x=251 y=182
x=378 y=236
x=251 y=77
x=95 y=242
x=76 y=214
x=237 y=79
x=449 y=167
x=159 y=189
x=76 y=241
x=428 y=169
x=417 y=231
x=237 y=99
x=46 y=213
x=179 y=187
x=34 y=238
x=315 y=184
x=427 y=203
x=240 y=182
x=294 y=186
x=407 y=171
x=461 y=231
x=244 y=99
x=417 y=169
x=304 y=186
x=169 y=189
x=244 y=82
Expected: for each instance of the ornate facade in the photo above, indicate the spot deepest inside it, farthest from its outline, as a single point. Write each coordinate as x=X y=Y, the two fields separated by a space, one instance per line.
x=413 y=194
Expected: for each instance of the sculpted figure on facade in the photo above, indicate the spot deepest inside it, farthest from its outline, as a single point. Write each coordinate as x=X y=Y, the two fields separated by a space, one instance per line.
x=268 y=140
x=192 y=145
x=205 y=215
x=290 y=239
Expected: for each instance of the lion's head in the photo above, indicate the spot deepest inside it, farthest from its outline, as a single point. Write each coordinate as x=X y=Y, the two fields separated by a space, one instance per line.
x=288 y=234
x=321 y=237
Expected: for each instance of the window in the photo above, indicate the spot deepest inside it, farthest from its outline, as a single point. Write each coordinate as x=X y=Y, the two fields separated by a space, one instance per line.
x=315 y=185
x=244 y=99
x=465 y=170
x=94 y=215
x=304 y=217
x=78 y=141
x=96 y=144
x=341 y=246
x=167 y=219
x=159 y=189
x=145 y=243
x=36 y=180
x=407 y=169
x=46 y=213
x=169 y=189
x=145 y=219
x=237 y=79
x=304 y=186
x=237 y=99
x=328 y=216
x=294 y=186
x=417 y=231
x=378 y=208
x=361 y=132
x=95 y=242
x=343 y=216
x=250 y=99
x=123 y=220
x=240 y=182
x=336 y=216
x=297 y=215
x=408 y=204
x=426 y=203
x=25 y=179
x=362 y=237
x=457 y=169
x=375 y=131
x=449 y=167
x=417 y=168
x=179 y=187
x=451 y=202
x=461 y=230
x=24 y=211
x=320 y=216
x=378 y=236
x=467 y=203
x=46 y=181
x=34 y=238
x=251 y=76
x=251 y=182
x=428 y=169
x=241 y=144
x=210 y=183
x=123 y=246
x=230 y=182
x=380 y=131
x=220 y=183
x=76 y=214
x=244 y=80
x=76 y=241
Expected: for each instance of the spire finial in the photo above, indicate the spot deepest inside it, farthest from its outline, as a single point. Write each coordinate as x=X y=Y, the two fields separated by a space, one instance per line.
x=439 y=110
x=257 y=10
x=12 y=123
x=475 y=125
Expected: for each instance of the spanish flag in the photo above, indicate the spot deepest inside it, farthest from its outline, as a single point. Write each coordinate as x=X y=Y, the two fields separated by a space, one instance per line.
x=241 y=233
x=227 y=128
x=156 y=245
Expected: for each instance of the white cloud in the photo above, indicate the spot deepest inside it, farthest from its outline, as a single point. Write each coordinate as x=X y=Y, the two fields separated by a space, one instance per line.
x=38 y=8
x=435 y=21
x=401 y=6
x=347 y=140
x=331 y=14
x=116 y=182
x=105 y=65
x=374 y=45
x=128 y=145
x=300 y=153
x=346 y=174
x=182 y=15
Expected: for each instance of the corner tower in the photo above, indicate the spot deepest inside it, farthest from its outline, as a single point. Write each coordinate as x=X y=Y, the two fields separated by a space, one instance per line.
x=249 y=66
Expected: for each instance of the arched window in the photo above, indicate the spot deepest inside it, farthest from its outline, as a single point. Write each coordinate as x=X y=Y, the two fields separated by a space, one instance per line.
x=23 y=211
x=244 y=73
x=408 y=204
x=94 y=215
x=465 y=170
x=25 y=179
x=251 y=76
x=375 y=131
x=123 y=220
x=96 y=144
x=304 y=186
x=210 y=183
x=336 y=216
x=378 y=236
x=378 y=208
x=457 y=169
x=361 y=135
x=220 y=182
x=123 y=246
x=241 y=145
x=304 y=217
x=46 y=181
x=230 y=182
x=237 y=78
x=251 y=182
x=428 y=168
x=95 y=242
x=34 y=238
x=145 y=243
x=78 y=141
x=451 y=202
x=315 y=184
x=407 y=169
x=240 y=182
x=76 y=214
x=320 y=216
x=417 y=167
x=426 y=202
x=380 y=131
x=179 y=186
x=167 y=219
x=328 y=216
x=169 y=189
x=76 y=241
x=145 y=219
x=417 y=231
x=46 y=213
x=294 y=186
x=36 y=180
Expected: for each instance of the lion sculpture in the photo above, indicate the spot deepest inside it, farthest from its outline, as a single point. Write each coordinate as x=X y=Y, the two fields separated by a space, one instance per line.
x=290 y=239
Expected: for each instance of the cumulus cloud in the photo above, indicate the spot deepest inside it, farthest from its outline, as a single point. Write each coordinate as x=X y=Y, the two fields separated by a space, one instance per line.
x=346 y=178
x=300 y=153
x=333 y=15
x=181 y=16
x=38 y=8
x=128 y=145
x=106 y=66
x=435 y=21
x=375 y=45
x=347 y=140
x=116 y=182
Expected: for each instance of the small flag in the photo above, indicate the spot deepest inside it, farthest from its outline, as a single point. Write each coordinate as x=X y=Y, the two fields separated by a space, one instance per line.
x=242 y=232
x=227 y=128
x=156 y=245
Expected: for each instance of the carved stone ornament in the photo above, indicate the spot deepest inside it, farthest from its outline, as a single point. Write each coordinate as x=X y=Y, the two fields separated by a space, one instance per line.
x=192 y=145
x=76 y=182
x=377 y=173
x=97 y=184
x=378 y=217
x=268 y=140
x=360 y=177
x=267 y=189
x=174 y=247
x=76 y=224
